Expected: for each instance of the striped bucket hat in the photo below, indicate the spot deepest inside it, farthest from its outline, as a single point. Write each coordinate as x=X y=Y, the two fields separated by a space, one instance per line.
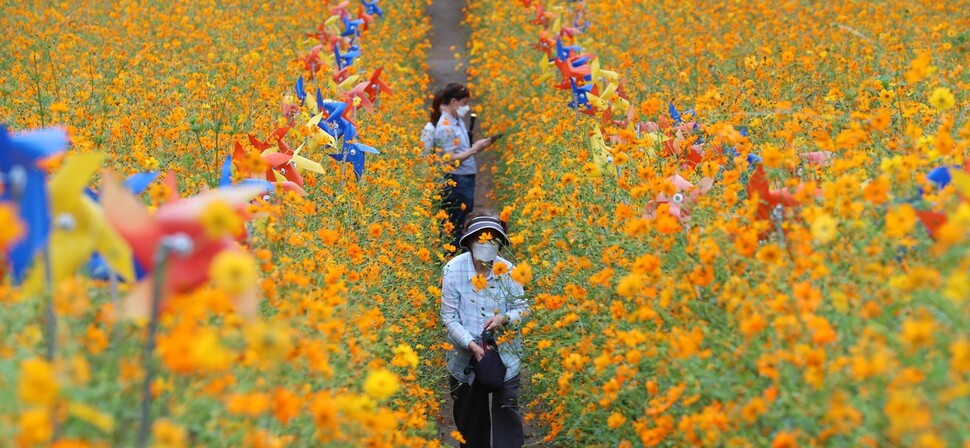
x=488 y=223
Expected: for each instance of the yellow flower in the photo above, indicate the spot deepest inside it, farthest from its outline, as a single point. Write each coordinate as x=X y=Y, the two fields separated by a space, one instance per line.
x=404 y=356
x=900 y=220
x=269 y=341
x=457 y=436
x=35 y=426
x=823 y=228
x=957 y=287
x=522 y=273
x=479 y=282
x=59 y=107
x=168 y=435
x=233 y=272
x=12 y=229
x=37 y=382
x=616 y=420
x=381 y=384
x=219 y=219
x=942 y=98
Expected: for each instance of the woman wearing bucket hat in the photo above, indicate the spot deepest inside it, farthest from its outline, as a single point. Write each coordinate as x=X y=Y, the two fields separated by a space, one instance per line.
x=479 y=303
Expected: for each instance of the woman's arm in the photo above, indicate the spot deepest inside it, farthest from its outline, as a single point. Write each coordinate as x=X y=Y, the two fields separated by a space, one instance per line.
x=451 y=145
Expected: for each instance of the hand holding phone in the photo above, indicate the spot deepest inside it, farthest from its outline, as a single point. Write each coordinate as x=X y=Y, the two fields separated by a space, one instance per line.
x=496 y=136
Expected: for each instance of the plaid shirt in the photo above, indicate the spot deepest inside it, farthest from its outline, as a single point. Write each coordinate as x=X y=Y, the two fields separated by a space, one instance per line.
x=451 y=136
x=465 y=310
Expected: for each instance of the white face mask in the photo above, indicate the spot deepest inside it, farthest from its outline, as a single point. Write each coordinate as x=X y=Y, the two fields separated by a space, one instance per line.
x=484 y=252
x=463 y=110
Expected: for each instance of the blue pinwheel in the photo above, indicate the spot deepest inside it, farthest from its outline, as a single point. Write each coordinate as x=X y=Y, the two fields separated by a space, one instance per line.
x=372 y=8
x=345 y=59
x=579 y=95
x=678 y=117
x=563 y=51
x=351 y=26
x=354 y=154
x=23 y=182
x=335 y=124
x=300 y=89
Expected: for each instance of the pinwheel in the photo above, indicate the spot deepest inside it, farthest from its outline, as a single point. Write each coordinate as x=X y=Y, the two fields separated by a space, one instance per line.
x=351 y=26
x=601 y=77
x=335 y=117
x=548 y=70
x=580 y=97
x=677 y=116
x=769 y=199
x=545 y=44
x=289 y=109
x=341 y=75
x=297 y=161
x=346 y=59
x=174 y=227
x=98 y=268
x=683 y=199
x=820 y=158
x=359 y=91
x=373 y=8
x=300 y=88
x=24 y=183
x=279 y=169
x=363 y=16
x=340 y=10
x=354 y=154
x=79 y=229
x=316 y=136
x=571 y=72
x=602 y=164
x=311 y=60
x=376 y=86
x=941 y=177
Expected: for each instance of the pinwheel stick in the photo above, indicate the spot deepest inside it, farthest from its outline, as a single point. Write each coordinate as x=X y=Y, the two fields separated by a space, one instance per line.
x=180 y=244
x=50 y=318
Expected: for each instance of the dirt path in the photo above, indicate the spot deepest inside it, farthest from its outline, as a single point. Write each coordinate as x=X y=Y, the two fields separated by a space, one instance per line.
x=448 y=37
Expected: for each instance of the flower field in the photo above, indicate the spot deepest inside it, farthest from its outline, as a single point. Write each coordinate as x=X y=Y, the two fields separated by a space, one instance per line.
x=331 y=354
x=738 y=223
x=737 y=216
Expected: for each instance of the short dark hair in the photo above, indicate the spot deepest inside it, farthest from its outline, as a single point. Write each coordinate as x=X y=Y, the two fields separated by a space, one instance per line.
x=453 y=91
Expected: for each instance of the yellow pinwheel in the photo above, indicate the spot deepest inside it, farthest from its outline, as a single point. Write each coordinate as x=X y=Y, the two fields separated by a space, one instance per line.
x=602 y=164
x=79 y=227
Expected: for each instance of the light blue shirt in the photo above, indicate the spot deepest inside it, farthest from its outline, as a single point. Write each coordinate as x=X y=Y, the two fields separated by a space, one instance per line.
x=465 y=310
x=451 y=136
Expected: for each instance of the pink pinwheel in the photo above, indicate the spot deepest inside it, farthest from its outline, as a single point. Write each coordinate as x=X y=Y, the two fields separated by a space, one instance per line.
x=682 y=201
x=359 y=91
x=820 y=158
x=340 y=10
x=174 y=229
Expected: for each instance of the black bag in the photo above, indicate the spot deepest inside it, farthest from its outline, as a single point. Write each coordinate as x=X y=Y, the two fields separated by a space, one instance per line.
x=490 y=371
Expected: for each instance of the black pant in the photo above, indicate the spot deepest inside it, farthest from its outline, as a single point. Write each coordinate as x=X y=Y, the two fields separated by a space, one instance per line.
x=462 y=193
x=476 y=423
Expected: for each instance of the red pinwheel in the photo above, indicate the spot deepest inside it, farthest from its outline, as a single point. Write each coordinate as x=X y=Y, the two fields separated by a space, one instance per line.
x=768 y=197
x=177 y=227
x=376 y=85
x=280 y=168
x=312 y=61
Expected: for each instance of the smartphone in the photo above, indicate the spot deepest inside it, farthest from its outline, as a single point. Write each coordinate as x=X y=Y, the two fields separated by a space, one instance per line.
x=496 y=136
